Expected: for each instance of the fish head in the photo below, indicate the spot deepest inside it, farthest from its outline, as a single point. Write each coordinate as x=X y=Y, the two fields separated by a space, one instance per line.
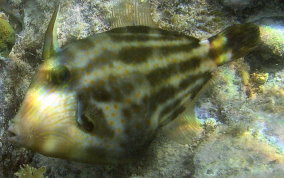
x=46 y=120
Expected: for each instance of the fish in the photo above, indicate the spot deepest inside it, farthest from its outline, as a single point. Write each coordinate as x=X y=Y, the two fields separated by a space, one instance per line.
x=103 y=99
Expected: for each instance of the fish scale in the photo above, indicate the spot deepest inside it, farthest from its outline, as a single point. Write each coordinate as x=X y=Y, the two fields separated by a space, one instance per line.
x=102 y=99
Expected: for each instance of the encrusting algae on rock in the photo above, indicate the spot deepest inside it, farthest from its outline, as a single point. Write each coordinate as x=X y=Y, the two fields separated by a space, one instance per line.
x=102 y=99
x=7 y=37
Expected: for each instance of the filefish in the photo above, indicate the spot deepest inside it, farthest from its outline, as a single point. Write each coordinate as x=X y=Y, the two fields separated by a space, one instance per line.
x=102 y=99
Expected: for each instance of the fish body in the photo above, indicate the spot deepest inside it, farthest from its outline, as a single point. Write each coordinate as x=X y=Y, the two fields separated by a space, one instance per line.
x=103 y=98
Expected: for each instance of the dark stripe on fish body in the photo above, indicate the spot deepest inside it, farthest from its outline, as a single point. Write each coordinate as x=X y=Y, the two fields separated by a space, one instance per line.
x=142 y=108
x=159 y=97
x=193 y=78
x=144 y=30
x=126 y=113
x=174 y=107
x=136 y=108
x=111 y=94
x=175 y=104
x=100 y=93
x=97 y=62
x=157 y=75
x=120 y=88
x=135 y=54
x=198 y=88
x=141 y=54
x=164 y=94
x=168 y=92
x=128 y=37
x=84 y=44
x=174 y=49
x=113 y=90
x=173 y=115
x=131 y=29
x=169 y=108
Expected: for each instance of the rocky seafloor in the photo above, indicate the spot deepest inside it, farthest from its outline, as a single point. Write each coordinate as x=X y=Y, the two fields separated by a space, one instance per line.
x=242 y=112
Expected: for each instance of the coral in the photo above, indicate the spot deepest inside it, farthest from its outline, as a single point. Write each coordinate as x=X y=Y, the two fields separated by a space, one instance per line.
x=7 y=37
x=27 y=171
x=210 y=125
x=259 y=78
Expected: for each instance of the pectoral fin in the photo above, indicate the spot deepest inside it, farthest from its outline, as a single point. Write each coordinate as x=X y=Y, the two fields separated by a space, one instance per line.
x=92 y=120
x=81 y=118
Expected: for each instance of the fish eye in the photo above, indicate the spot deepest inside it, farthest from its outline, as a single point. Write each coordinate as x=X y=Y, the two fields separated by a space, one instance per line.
x=60 y=74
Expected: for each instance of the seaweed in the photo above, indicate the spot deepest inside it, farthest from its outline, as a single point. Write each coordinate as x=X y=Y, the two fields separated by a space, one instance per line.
x=27 y=171
x=7 y=37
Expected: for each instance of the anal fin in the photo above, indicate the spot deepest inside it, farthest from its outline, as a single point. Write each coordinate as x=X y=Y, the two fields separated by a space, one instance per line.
x=186 y=127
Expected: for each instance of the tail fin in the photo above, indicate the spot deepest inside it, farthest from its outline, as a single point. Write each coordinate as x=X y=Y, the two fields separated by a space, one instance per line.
x=234 y=42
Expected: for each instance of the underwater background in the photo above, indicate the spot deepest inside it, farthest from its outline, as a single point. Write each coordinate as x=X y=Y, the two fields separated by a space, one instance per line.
x=242 y=112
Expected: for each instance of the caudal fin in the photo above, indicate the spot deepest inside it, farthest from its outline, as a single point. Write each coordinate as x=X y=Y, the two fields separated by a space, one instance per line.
x=234 y=42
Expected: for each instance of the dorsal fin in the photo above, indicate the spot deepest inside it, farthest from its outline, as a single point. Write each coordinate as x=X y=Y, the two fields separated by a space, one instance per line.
x=50 y=41
x=131 y=13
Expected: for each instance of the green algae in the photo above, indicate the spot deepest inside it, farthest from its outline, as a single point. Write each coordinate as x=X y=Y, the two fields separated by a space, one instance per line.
x=7 y=37
x=27 y=171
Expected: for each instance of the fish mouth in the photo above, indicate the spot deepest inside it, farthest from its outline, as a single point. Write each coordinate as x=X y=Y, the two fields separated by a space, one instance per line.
x=12 y=137
x=11 y=131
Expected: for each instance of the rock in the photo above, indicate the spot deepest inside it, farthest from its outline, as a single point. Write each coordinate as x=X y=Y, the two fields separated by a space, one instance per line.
x=199 y=18
x=272 y=34
x=237 y=4
x=269 y=56
x=245 y=156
